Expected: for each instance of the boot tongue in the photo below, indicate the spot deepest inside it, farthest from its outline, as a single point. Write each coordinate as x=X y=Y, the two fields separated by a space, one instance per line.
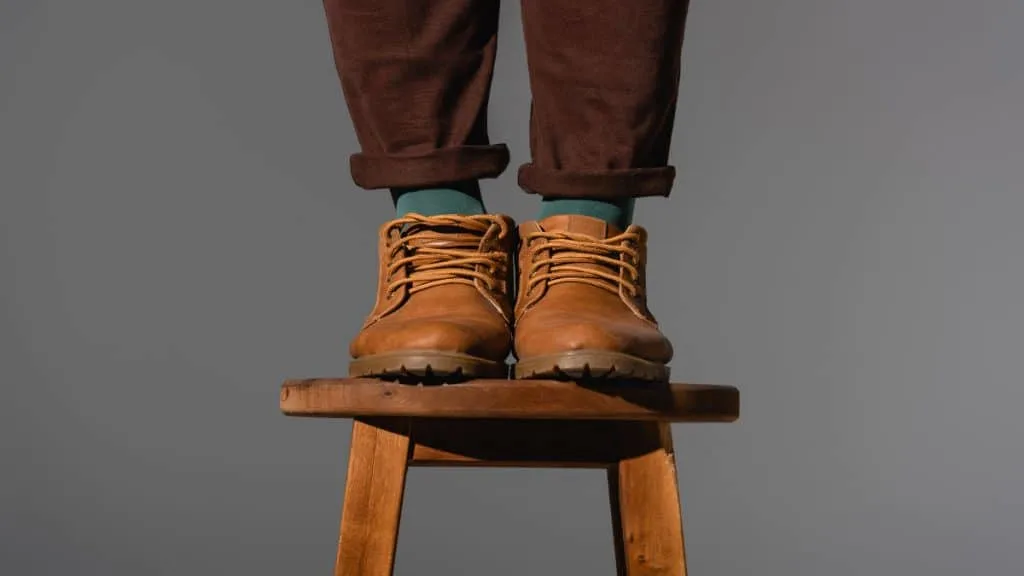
x=586 y=225
x=574 y=223
x=439 y=236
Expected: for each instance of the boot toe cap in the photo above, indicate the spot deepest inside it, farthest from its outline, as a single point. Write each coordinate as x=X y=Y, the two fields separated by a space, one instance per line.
x=462 y=336
x=644 y=341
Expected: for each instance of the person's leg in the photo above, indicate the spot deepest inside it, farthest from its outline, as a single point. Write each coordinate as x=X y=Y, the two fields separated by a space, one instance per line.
x=416 y=76
x=605 y=78
x=615 y=211
x=461 y=198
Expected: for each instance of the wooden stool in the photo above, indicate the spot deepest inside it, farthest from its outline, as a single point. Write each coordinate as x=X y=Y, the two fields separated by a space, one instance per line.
x=623 y=429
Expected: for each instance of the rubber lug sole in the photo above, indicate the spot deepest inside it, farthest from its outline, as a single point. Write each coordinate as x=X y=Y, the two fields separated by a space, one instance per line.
x=426 y=365
x=591 y=365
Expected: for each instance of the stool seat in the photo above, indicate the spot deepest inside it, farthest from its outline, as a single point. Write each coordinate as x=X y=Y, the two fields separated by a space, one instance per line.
x=511 y=399
x=622 y=428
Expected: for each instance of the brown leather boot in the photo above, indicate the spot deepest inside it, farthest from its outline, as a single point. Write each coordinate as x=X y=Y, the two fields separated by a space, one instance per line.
x=582 y=306
x=443 y=300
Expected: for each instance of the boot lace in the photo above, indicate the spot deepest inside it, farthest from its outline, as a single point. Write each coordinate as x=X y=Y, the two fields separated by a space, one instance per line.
x=609 y=264
x=444 y=250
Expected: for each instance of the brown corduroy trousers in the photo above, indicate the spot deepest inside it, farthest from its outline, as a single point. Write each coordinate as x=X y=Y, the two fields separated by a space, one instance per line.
x=604 y=76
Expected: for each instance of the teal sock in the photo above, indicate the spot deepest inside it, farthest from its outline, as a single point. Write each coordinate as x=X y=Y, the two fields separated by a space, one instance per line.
x=463 y=199
x=616 y=212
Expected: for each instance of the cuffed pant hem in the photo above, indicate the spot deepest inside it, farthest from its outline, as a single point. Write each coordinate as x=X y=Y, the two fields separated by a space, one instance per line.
x=607 y=184
x=444 y=166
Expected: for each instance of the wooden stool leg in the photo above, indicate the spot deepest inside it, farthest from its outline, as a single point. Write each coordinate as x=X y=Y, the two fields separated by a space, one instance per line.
x=646 y=515
x=377 y=463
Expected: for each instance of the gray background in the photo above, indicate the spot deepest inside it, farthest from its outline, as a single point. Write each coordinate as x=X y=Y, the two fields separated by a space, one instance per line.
x=180 y=234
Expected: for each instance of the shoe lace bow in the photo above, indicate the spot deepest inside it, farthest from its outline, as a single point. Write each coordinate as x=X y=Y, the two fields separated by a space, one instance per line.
x=609 y=264
x=445 y=250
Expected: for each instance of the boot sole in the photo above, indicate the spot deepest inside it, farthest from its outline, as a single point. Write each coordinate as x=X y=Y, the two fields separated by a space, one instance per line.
x=426 y=364
x=591 y=365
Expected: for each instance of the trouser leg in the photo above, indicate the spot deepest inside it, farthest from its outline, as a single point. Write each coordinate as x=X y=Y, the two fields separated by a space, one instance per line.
x=605 y=81
x=416 y=75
